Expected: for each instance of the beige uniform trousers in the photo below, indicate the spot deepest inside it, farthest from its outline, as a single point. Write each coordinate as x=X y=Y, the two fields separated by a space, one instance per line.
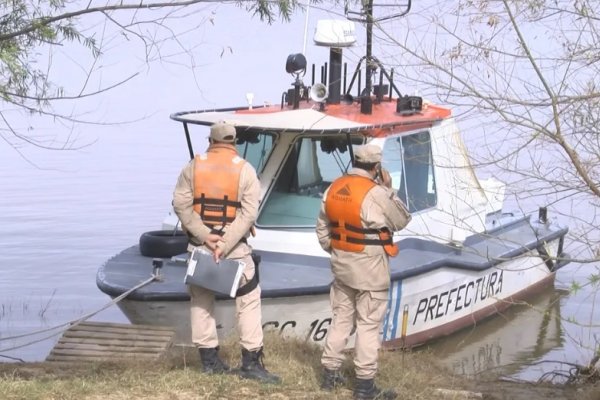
x=248 y=314
x=366 y=309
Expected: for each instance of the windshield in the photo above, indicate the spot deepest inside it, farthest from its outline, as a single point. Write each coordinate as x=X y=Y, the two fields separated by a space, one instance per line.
x=409 y=162
x=312 y=164
x=255 y=147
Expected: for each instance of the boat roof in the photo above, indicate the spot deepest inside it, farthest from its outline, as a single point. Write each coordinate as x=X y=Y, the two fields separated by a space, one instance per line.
x=334 y=118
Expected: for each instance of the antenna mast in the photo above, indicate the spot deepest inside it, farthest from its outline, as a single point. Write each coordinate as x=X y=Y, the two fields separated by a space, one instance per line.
x=306 y=26
x=366 y=17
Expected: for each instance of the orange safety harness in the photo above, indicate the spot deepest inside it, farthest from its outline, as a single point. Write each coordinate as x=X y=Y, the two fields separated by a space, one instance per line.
x=216 y=182
x=342 y=207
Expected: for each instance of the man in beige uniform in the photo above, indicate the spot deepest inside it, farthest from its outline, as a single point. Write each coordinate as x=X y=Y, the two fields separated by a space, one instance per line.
x=216 y=199
x=358 y=216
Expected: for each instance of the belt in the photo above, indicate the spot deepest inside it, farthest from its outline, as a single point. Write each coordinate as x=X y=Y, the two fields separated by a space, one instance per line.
x=252 y=283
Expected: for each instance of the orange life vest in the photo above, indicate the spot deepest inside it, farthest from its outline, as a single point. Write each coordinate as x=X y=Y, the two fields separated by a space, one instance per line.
x=342 y=207
x=216 y=182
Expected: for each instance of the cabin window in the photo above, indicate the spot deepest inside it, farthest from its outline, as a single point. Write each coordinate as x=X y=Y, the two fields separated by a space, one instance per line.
x=409 y=161
x=312 y=164
x=255 y=147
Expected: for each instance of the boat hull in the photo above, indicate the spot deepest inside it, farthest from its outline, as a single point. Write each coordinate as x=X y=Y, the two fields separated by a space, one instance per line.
x=421 y=307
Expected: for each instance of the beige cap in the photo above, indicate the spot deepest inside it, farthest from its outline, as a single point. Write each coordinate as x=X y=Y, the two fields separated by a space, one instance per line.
x=222 y=132
x=368 y=154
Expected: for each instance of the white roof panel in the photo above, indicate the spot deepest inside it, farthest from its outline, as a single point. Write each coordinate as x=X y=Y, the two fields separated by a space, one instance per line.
x=294 y=120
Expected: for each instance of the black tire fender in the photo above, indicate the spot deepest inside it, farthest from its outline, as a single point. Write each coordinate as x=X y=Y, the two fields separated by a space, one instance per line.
x=167 y=243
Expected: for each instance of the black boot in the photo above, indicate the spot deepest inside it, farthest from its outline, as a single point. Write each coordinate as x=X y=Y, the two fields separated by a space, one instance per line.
x=211 y=363
x=253 y=367
x=365 y=389
x=332 y=378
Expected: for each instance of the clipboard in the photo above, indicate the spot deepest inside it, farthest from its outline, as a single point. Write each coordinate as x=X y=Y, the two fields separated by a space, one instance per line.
x=222 y=277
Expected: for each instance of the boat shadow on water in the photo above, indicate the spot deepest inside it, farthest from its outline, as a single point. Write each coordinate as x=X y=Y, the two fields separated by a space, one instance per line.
x=505 y=345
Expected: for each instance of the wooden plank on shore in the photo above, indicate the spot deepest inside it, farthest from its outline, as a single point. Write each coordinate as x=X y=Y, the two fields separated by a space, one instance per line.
x=80 y=358
x=105 y=335
x=103 y=353
x=96 y=347
x=116 y=325
x=97 y=341
x=111 y=329
x=114 y=342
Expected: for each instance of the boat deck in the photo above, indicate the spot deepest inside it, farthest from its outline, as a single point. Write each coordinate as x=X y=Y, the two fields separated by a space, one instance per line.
x=283 y=274
x=479 y=252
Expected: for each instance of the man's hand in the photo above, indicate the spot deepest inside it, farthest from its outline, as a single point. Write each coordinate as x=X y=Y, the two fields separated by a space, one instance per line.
x=217 y=254
x=386 y=178
x=211 y=241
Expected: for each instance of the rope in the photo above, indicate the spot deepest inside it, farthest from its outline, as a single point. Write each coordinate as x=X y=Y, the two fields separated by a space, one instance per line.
x=76 y=321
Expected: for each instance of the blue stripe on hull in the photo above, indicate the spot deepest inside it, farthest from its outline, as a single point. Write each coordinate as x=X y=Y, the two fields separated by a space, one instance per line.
x=391 y=322
x=398 y=285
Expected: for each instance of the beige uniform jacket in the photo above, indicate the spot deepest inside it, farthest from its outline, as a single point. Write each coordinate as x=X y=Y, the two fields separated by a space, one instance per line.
x=369 y=269
x=248 y=192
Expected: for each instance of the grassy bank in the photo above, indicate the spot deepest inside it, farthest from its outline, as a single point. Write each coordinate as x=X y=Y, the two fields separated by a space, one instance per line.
x=415 y=375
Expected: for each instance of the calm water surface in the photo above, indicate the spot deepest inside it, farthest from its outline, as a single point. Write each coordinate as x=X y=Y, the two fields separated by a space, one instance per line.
x=64 y=216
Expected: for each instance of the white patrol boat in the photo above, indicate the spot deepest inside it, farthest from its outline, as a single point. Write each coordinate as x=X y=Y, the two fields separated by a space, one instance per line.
x=462 y=257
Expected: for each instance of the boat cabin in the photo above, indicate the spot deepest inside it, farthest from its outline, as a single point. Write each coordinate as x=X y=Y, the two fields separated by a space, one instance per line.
x=300 y=146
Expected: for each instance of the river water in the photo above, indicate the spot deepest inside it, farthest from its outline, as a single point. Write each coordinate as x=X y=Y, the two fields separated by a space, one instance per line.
x=63 y=213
